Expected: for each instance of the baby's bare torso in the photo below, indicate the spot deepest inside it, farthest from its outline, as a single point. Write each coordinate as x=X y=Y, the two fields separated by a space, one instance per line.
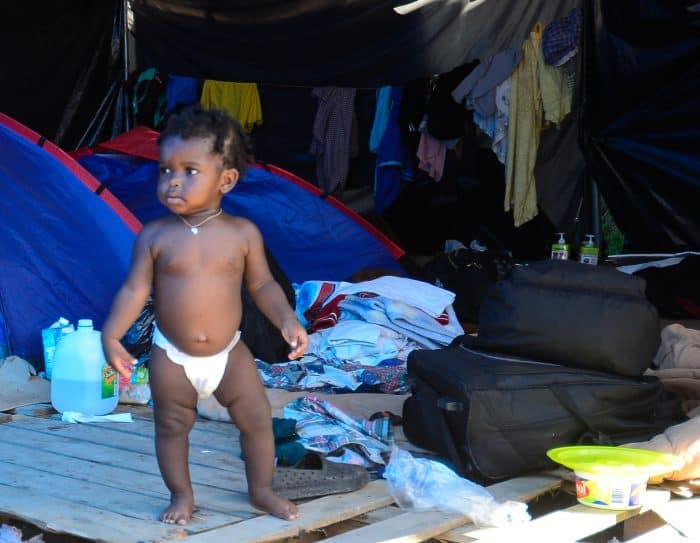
x=197 y=284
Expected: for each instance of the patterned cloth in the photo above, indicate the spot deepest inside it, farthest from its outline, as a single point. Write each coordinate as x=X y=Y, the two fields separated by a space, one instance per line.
x=333 y=143
x=560 y=38
x=314 y=374
x=324 y=428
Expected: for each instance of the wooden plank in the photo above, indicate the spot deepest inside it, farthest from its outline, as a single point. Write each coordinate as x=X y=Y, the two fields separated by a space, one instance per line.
x=422 y=525
x=380 y=514
x=218 y=470
x=570 y=524
x=199 y=437
x=313 y=515
x=35 y=410
x=124 y=502
x=641 y=524
x=522 y=489
x=662 y=534
x=406 y=527
x=104 y=434
x=683 y=515
x=118 y=477
x=58 y=516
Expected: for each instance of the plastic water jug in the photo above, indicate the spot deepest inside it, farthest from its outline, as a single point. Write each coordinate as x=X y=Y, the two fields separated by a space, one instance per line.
x=81 y=379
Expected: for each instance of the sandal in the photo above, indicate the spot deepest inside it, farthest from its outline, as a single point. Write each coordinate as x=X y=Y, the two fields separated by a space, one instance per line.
x=315 y=476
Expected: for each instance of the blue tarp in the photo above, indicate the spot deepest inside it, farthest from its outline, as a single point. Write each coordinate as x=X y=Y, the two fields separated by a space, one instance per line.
x=311 y=238
x=64 y=250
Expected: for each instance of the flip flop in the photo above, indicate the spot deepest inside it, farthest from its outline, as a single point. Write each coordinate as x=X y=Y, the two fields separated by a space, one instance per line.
x=315 y=476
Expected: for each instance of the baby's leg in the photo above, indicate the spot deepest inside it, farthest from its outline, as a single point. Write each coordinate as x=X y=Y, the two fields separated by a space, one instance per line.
x=243 y=394
x=174 y=409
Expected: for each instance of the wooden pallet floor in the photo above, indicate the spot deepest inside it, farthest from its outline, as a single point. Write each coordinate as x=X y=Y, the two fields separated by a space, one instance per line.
x=101 y=482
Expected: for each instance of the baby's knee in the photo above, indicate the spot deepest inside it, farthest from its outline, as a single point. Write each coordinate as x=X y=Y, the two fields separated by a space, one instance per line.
x=174 y=420
x=255 y=418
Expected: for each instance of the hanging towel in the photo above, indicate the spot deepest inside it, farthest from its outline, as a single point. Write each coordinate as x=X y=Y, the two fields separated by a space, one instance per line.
x=240 y=100
x=525 y=125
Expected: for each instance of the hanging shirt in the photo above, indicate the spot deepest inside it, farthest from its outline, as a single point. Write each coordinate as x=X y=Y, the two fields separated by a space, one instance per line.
x=560 y=38
x=180 y=90
x=382 y=111
x=393 y=159
x=479 y=87
x=332 y=136
x=556 y=91
x=525 y=125
x=431 y=155
x=240 y=100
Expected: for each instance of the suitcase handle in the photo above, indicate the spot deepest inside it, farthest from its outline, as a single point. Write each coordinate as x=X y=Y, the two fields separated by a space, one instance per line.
x=448 y=404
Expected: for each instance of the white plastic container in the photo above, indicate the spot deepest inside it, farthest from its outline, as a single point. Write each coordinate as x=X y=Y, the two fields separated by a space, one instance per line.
x=81 y=379
x=611 y=490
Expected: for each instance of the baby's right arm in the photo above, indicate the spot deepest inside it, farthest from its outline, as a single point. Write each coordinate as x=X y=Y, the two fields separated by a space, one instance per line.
x=128 y=303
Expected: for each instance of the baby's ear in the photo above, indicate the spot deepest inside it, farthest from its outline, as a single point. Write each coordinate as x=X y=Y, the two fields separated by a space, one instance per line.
x=229 y=178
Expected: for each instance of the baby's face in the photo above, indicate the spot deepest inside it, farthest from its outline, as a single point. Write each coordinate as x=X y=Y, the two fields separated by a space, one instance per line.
x=190 y=178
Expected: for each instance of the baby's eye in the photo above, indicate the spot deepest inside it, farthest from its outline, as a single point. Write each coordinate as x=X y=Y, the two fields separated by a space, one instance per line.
x=191 y=171
x=164 y=170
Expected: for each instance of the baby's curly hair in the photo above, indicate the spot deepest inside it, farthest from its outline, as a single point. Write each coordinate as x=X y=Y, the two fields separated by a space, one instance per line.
x=228 y=137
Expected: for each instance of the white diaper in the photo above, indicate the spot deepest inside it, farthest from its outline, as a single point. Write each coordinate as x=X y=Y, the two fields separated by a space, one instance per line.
x=204 y=372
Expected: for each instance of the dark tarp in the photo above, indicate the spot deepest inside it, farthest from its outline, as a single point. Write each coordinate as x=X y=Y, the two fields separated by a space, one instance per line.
x=641 y=129
x=355 y=43
x=57 y=64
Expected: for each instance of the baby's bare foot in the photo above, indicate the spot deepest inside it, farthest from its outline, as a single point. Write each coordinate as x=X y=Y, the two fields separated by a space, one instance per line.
x=180 y=509
x=267 y=500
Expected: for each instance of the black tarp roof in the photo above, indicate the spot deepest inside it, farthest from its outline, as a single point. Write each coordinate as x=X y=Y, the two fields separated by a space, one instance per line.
x=642 y=72
x=641 y=130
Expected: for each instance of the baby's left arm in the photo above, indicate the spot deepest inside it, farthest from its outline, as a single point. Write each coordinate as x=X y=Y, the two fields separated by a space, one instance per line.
x=268 y=294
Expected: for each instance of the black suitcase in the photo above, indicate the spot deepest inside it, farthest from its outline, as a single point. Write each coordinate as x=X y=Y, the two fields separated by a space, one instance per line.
x=573 y=314
x=495 y=416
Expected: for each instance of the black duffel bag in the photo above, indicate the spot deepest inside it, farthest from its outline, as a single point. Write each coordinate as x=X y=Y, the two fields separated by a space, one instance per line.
x=496 y=416
x=572 y=314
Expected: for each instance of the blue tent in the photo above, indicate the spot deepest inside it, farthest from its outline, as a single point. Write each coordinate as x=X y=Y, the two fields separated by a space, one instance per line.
x=311 y=236
x=65 y=245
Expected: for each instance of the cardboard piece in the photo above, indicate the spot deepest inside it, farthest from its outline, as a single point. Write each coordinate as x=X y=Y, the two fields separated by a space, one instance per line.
x=19 y=384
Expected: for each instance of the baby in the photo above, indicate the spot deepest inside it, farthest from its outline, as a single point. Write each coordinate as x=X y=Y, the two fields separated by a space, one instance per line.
x=195 y=261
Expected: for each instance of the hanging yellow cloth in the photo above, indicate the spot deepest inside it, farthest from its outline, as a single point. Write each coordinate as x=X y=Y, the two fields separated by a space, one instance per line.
x=240 y=100
x=556 y=91
x=525 y=125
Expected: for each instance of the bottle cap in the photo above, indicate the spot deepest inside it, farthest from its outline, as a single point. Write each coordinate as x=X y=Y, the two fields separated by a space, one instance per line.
x=85 y=323
x=561 y=238
x=589 y=241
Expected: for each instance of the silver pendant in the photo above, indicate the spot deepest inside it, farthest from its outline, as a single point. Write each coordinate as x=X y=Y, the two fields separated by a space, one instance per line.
x=194 y=230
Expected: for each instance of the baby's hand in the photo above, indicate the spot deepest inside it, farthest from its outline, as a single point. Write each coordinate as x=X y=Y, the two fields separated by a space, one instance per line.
x=294 y=333
x=119 y=358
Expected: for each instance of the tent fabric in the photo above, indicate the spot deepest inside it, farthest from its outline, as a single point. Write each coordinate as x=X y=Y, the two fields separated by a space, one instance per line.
x=66 y=244
x=63 y=55
x=312 y=237
x=641 y=131
x=355 y=43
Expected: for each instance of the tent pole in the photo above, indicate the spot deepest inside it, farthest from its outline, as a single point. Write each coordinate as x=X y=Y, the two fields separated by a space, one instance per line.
x=595 y=214
x=125 y=40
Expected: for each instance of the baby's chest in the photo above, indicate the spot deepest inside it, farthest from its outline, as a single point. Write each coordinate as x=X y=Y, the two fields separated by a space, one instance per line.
x=189 y=262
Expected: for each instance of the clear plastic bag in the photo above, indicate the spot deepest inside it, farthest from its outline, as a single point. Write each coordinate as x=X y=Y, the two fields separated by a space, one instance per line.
x=419 y=483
